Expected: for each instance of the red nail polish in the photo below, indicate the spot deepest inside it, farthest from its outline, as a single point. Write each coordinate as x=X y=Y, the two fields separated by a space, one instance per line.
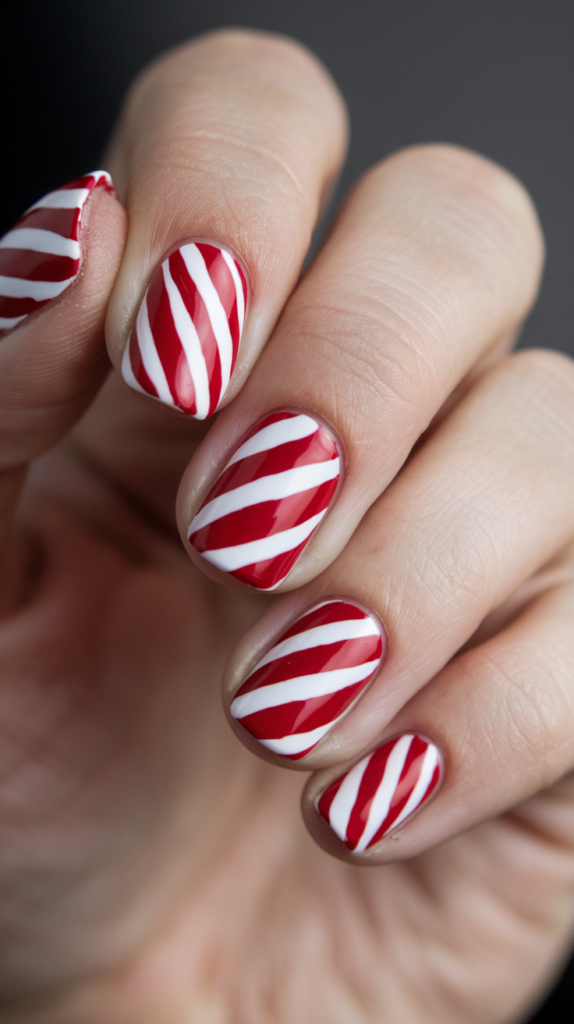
x=40 y=256
x=184 y=343
x=380 y=792
x=270 y=498
x=308 y=680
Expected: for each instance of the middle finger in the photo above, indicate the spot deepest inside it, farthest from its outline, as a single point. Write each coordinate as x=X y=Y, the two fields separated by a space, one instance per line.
x=436 y=255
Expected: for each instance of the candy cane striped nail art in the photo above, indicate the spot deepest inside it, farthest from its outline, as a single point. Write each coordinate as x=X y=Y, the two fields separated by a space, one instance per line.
x=184 y=343
x=269 y=499
x=305 y=684
x=40 y=256
x=381 y=791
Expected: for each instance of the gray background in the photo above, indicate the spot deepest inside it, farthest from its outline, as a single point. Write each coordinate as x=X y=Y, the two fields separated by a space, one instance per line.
x=495 y=75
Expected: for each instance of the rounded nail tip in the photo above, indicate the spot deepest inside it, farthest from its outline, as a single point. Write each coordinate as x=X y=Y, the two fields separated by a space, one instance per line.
x=223 y=579
x=264 y=582
x=173 y=407
x=393 y=846
x=264 y=753
x=301 y=760
x=89 y=181
x=315 y=756
x=100 y=180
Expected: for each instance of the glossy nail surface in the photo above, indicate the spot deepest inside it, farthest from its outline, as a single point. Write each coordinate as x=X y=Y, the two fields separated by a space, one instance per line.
x=184 y=343
x=40 y=256
x=269 y=500
x=304 y=685
x=380 y=792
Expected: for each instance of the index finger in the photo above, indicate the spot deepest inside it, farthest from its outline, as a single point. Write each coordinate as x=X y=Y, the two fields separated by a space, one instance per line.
x=224 y=153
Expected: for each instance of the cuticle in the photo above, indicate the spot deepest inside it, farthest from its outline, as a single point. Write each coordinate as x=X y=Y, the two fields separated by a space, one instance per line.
x=190 y=240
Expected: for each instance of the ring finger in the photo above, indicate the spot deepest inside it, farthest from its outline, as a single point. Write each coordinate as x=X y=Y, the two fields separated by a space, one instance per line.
x=481 y=507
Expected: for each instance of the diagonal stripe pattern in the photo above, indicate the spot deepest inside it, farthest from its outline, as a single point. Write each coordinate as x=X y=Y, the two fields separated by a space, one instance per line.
x=380 y=792
x=310 y=678
x=184 y=343
x=40 y=256
x=269 y=499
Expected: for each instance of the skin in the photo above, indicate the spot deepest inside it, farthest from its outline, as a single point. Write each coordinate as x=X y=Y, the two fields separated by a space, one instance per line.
x=152 y=869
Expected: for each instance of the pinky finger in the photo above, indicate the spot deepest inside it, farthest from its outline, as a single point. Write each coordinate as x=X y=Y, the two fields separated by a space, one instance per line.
x=495 y=727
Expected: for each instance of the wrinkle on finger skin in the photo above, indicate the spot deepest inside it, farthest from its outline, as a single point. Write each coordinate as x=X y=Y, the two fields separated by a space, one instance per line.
x=446 y=570
x=234 y=137
x=245 y=82
x=355 y=376
x=525 y=716
x=518 y=698
x=247 y=209
x=268 y=157
x=454 y=210
x=268 y=172
x=388 y=334
x=560 y=573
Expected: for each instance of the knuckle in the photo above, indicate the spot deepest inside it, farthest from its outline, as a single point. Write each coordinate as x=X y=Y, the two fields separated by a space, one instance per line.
x=367 y=359
x=466 y=206
x=476 y=183
x=543 y=382
x=534 y=717
x=545 y=370
x=459 y=565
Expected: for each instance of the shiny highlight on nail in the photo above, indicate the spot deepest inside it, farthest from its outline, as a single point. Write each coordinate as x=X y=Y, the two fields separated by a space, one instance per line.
x=268 y=501
x=304 y=685
x=184 y=343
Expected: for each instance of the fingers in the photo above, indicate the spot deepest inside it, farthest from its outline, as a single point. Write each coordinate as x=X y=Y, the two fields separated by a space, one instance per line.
x=482 y=506
x=58 y=266
x=224 y=153
x=435 y=257
x=501 y=718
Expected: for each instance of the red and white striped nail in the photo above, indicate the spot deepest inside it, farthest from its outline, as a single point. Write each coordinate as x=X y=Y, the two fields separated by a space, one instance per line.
x=310 y=678
x=269 y=500
x=184 y=342
x=40 y=256
x=380 y=792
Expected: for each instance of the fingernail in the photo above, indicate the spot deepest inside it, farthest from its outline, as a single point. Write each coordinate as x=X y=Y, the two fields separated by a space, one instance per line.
x=380 y=792
x=304 y=685
x=269 y=500
x=184 y=342
x=40 y=256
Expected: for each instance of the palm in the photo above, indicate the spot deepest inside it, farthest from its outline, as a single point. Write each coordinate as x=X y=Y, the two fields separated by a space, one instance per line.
x=155 y=844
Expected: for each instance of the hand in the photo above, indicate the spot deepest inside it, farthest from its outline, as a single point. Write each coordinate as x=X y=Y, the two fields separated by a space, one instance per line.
x=152 y=869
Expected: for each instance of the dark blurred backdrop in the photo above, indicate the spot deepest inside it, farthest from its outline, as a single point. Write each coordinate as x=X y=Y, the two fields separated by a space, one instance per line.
x=495 y=75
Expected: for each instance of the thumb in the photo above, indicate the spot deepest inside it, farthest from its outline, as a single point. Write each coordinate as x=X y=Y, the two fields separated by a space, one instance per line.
x=57 y=268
